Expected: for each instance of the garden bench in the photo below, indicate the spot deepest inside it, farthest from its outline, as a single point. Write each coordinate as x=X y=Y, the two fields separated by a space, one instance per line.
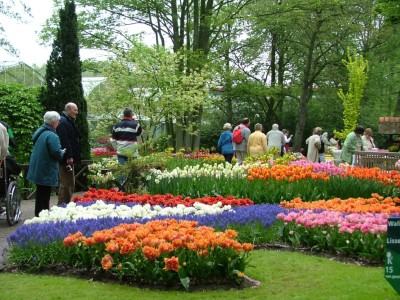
x=371 y=159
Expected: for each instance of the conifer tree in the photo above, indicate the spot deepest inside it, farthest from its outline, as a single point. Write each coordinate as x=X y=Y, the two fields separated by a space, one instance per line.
x=64 y=74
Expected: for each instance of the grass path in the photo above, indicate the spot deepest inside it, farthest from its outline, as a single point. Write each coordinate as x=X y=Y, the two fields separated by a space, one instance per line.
x=283 y=275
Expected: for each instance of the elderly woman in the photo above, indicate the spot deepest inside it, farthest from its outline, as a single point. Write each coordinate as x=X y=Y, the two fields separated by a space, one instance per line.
x=225 y=143
x=257 y=143
x=43 y=165
x=352 y=143
x=367 y=140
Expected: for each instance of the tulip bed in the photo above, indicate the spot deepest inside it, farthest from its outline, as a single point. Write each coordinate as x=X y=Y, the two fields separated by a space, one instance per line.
x=179 y=233
x=193 y=242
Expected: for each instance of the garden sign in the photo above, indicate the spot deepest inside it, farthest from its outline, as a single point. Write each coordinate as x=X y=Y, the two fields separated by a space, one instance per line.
x=392 y=261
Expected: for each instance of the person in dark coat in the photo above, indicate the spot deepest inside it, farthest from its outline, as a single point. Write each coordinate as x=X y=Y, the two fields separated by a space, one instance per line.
x=69 y=138
x=44 y=161
x=124 y=136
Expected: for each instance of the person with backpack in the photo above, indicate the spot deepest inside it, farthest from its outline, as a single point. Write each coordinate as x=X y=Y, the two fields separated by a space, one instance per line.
x=241 y=135
x=225 y=143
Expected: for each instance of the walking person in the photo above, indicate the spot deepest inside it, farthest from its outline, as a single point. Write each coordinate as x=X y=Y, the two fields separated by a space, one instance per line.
x=69 y=138
x=124 y=136
x=314 y=144
x=257 y=144
x=225 y=143
x=44 y=161
x=240 y=149
x=275 y=139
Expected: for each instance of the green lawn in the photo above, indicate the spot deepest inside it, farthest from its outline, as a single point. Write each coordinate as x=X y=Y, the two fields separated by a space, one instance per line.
x=283 y=275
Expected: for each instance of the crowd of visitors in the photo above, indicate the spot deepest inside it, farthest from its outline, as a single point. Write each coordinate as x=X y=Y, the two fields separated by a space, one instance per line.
x=279 y=142
x=56 y=147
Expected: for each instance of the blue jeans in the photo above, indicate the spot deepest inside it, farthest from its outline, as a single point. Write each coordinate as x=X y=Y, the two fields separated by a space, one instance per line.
x=122 y=160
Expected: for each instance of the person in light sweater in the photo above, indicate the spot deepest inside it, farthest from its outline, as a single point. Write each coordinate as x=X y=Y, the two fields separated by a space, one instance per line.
x=275 y=139
x=257 y=144
x=367 y=140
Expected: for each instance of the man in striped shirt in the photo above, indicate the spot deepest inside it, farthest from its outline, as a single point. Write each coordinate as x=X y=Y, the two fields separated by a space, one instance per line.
x=124 y=136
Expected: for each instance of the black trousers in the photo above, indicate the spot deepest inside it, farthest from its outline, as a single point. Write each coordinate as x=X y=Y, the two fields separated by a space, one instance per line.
x=228 y=157
x=42 y=198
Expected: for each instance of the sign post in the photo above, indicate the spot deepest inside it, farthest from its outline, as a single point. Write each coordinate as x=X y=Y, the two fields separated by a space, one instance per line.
x=392 y=259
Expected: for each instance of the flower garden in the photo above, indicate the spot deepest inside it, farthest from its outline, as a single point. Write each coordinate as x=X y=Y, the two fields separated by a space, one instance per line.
x=194 y=220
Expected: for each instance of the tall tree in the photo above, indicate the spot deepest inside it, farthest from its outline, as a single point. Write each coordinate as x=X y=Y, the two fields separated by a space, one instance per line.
x=64 y=74
x=357 y=68
x=192 y=28
x=145 y=79
x=305 y=41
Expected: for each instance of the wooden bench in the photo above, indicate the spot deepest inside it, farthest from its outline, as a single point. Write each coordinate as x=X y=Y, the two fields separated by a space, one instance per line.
x=372 y=159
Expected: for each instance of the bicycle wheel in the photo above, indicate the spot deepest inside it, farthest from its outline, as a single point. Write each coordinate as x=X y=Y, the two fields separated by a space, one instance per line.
x=13 y=203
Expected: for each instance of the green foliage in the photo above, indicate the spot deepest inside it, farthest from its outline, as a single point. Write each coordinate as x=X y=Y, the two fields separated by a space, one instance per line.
x=157 y=90
x=21 y=109
x=390 y=9
x=357 y=68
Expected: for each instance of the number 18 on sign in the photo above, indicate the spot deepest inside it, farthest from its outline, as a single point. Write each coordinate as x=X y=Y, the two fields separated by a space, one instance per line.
x=392 y=259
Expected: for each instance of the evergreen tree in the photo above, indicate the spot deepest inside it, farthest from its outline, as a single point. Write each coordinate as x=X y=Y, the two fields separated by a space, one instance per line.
x=64 y=74
x=50 y=96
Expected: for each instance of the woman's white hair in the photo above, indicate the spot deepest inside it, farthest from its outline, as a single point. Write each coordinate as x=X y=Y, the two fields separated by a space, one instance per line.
x=51 y=117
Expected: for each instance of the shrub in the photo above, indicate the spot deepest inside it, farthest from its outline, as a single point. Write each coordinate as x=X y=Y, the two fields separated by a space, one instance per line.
x=21 y=109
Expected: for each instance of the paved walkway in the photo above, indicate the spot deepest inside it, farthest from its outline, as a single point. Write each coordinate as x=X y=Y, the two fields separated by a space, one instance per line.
x=28 y=212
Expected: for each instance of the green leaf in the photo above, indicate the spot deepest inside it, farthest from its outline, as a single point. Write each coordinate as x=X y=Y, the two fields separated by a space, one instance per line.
x=185 y=280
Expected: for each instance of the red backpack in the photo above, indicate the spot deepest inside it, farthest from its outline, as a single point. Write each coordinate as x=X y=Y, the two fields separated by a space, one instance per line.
x=237 y=135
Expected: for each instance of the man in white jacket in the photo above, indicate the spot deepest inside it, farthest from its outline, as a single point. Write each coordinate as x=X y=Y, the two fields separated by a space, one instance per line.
x=314 y=144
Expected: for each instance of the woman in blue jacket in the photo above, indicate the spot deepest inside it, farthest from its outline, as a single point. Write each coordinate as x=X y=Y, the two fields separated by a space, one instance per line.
x=225 y=143
x=43 y=165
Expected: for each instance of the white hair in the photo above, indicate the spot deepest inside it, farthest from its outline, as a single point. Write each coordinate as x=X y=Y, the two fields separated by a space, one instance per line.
x=51 y=117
